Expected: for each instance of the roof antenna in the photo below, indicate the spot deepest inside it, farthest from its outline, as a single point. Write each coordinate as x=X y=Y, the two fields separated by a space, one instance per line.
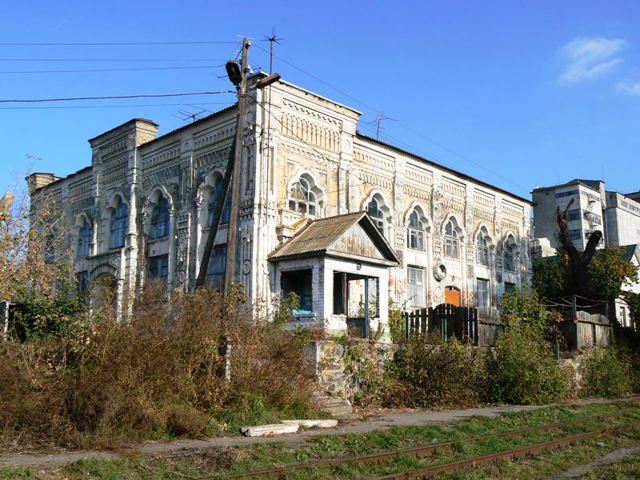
x=379 y=118
x=187 y=116
x=272 y=39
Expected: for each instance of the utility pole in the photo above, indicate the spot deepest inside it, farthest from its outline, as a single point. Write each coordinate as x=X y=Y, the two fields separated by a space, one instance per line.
x=238 y=76
x=232 y=232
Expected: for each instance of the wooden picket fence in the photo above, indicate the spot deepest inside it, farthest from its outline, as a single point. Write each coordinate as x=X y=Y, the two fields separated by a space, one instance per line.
x=449 y=320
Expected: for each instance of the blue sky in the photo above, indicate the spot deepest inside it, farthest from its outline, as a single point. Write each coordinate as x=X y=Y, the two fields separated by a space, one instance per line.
x=516 y=93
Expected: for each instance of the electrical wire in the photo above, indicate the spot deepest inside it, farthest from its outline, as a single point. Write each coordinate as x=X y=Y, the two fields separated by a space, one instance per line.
x=102 y=70
x=400 y=123
x=114 y=97
x=88 y=60
x=110 y=44
x=70 y=107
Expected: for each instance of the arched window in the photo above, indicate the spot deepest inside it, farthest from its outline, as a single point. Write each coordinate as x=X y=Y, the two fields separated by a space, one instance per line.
x=374 y=209
x=215 y=197
x=415 y=231
x=160 y=219
x=119 y=224
x=451 y=239
x=483 y=241
x=84 y=239
x=302 y=197
x=510 y=253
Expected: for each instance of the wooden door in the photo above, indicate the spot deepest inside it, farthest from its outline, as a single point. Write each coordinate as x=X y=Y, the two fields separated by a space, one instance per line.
x=452 y=296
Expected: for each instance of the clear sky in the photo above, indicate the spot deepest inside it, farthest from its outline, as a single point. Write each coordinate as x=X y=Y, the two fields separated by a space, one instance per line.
x=516 y=93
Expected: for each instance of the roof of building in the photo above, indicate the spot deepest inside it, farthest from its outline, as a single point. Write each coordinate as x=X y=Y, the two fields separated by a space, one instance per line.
x=128 y=122
x=320 y=235
x=576 y=181
x=443 y=167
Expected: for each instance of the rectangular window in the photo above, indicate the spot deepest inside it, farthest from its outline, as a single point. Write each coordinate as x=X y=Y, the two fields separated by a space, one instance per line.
x=159 y=267
x=217 y=267
x=416 y=287
x=566 y=194
x=575 y=234
x=82 y=279
x=509 y=287
x=573 y=214
x=483 y=292
x=299 y=282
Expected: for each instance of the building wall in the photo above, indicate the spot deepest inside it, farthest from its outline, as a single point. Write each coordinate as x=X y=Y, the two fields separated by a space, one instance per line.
x=296 y=133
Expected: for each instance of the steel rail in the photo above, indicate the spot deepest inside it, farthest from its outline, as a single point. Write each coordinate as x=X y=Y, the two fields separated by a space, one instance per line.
x=521 y=452
x=421 y=451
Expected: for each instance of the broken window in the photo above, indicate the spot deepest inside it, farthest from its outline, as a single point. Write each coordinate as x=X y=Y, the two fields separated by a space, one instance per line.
x=376 y=212
x=302 y=197
x=300 y=283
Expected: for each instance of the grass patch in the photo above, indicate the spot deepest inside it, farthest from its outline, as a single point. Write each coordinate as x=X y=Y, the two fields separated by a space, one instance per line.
x=242 y=459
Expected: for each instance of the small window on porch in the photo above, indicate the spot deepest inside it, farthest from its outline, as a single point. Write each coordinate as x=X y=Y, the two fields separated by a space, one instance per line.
x=299 y=282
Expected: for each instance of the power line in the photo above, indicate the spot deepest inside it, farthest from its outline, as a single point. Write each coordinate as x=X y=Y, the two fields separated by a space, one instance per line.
x=102 y=70
x=71 y=107
x=115 y=97
x=110 y=60
x=110 y=44
x=400 y=123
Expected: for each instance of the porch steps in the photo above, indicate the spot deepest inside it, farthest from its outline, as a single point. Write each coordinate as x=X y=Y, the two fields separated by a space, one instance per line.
x=336 y=407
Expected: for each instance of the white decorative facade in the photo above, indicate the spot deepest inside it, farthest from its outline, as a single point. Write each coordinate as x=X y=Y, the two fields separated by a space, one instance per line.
x=143 y=207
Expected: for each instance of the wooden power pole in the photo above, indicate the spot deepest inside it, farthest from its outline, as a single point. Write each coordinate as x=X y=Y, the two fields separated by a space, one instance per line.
x=238 y=76
x=232 y=232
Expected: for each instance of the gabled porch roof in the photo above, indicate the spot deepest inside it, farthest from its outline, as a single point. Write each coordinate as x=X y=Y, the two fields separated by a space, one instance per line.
x=352 y=235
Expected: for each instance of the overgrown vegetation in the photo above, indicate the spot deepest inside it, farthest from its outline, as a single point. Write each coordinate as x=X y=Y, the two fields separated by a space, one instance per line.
x=605 y=373
x=437 y=373
x=158 y=376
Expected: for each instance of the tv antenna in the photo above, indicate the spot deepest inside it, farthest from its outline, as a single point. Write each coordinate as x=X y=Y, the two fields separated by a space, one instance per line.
x=189 y=117
x=272 y=39
x=378 y=121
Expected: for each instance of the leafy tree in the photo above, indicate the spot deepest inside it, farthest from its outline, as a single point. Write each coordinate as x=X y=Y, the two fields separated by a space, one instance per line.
x=549 y=277
x=608 y=272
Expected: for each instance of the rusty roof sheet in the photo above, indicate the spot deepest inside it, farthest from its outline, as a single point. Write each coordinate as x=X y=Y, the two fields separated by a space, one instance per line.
x=319 y=235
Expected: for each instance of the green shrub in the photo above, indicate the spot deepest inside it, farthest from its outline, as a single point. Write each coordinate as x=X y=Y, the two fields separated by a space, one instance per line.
x=440 y=373
x=396 y=323
x=523 y=369
x=605 y=374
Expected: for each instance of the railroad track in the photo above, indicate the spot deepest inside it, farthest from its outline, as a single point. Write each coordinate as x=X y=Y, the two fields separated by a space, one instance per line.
x=280 y=473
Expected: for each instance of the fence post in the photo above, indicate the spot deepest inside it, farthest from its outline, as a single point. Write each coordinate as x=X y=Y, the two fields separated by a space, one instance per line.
x=406 y=325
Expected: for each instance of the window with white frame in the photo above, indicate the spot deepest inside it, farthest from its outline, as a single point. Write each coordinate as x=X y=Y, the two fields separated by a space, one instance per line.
x=510 y=254
x=215 y=197
x=451 y=239
x=303 y=197
x=416 y=287
x=375 y=211
x=160 y=219
x=84 y=239
x=415 y=230
x=483 y=242
x=119 y=224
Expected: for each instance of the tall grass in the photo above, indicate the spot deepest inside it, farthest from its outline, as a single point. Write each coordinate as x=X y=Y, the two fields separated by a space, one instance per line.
x=160 y=375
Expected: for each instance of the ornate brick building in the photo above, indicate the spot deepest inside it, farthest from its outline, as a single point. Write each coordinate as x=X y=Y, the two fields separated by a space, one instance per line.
x=143 y=209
